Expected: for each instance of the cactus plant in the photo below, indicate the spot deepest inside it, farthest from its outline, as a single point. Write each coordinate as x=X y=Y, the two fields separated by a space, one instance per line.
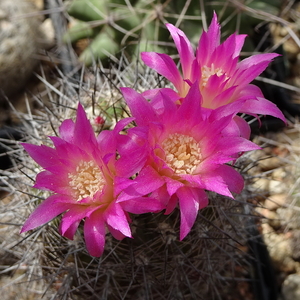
x=208 y=263
x=139 y=25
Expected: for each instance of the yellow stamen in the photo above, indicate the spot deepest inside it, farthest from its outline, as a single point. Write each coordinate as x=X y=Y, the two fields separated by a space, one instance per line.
x=209 y=71
x=183 y=153
x=86 y=180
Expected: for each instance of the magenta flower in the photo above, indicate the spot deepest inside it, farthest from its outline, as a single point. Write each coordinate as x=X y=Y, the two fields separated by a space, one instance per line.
x=188 y=154
x=215 y=66
x=82 y=171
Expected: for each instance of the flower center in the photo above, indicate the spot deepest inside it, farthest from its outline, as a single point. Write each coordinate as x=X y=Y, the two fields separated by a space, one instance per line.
x=183 y=153
x=86 y=180
x=209 y=71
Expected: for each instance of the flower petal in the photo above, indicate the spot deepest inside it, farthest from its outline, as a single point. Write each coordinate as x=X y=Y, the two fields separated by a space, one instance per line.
x=164 y=65
x=76 y=213
x=94 y=234
x=140 y=108
x=43 y=155
x=190 y=201
x=233 y=145
x=147 y=181
x=66 y=130
x=133 y=150
x=108 y=140
x=239 y=43
x=173 y=185
x=208 y=42
x=171 y=204
x=244 y=127
x=116 y=233
x=264 y=107
x=185 y=49
x=190 y=109
x=47 y=181
x=84 y=136
x=116 y=218
x=157 y=97
x=234 y=180
x=238 y=128
x=216 y=183
x=251 y=67
x=70 y=232
x=46 y=211
x=142 y=205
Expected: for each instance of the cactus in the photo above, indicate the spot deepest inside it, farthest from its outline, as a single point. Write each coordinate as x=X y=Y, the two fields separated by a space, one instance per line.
x=139 y=25
x=210 y=263
x=207 y=264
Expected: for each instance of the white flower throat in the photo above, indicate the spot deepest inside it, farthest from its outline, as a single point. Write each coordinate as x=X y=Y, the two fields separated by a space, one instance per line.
x=183 y=153
x=86 y=180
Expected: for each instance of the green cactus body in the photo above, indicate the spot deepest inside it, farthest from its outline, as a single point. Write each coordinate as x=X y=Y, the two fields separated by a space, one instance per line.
x=79 y=31
x=102 y=46
x=88 y=10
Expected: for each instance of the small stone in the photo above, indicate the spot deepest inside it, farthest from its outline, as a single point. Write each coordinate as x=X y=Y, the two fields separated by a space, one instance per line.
x=276 y=187
x=275 y=201
x=48 y=32
x=289 y=218
x=38 y=3
x=280 y=250
x=279 y=174
x=269 y=217
x=291 y=287
x=274 y=220
x=3 y=14
x=270 y=163
x=295 y=244
x=261 y=184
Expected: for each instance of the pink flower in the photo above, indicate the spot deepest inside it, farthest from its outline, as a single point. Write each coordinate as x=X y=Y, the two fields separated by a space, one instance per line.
x=215 y=66
x=82 y=171
x=188 y=154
